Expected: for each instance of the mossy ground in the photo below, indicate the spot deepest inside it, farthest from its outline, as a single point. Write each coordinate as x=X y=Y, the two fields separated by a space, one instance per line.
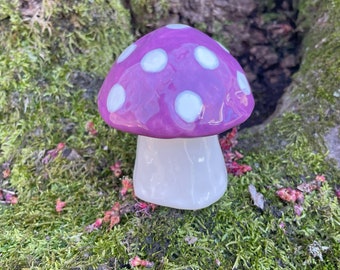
x=41 y=105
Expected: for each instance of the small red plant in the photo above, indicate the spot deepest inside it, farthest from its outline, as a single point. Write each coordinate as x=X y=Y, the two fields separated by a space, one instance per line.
x=320 y=178
x=296 y=196
x=136 y=261
x=94 y=226
x=145 y=208
x=229 y=140
x=126 y=186
x=227 y=143
x=59 y=205
x=116 y=168
x=6 y=173
x=238 y=169
x=112 y=216
x=52 y=154
x=11 y=198
x=90 y=128
x=8 y=197
x=290 y=195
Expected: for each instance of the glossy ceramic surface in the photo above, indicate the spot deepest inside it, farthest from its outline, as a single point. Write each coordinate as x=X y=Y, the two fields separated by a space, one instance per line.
x=175 y=82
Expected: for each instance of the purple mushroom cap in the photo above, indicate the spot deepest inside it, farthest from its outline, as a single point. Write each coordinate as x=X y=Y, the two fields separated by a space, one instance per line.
x=175 y=82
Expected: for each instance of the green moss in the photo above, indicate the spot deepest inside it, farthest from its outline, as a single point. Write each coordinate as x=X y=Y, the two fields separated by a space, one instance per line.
x=146 y=13
x=41 y=106
x=320 y=66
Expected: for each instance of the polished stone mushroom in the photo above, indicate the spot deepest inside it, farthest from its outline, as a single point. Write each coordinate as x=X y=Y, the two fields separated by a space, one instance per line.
x=177 y=89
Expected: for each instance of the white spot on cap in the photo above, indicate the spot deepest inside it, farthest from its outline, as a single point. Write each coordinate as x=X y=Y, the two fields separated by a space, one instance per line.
x=206 y=58
x=177 y=26
x=224 y=48
x=243 y=83
x=188 y=105
x=126 y=53
x=154 y=61
x=116 y=98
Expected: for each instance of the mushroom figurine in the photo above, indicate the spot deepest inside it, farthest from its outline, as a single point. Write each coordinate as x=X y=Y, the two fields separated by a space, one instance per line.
x=177 y=89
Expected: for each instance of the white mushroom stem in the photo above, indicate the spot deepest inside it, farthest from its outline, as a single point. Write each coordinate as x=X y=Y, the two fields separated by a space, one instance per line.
x=180 y=173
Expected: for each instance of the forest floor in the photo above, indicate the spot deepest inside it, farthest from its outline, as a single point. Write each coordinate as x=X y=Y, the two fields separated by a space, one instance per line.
x=65 y=190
